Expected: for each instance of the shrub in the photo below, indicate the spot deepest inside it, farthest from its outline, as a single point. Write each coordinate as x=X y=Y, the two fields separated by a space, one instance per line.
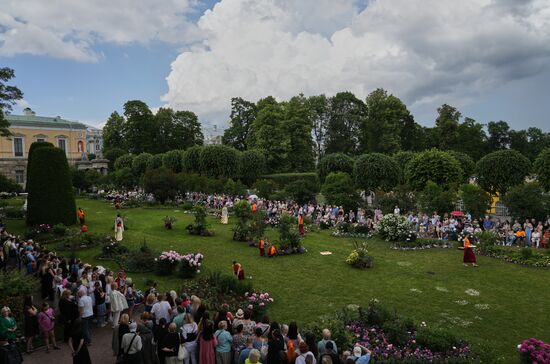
x=14 y=286
x=124 y=178
x=528 y=201
x=375 y=171
x=436 y=166
x=199 y=226
x=526 y=253
x=234 y=188
x=112 y=249
x=161 y=183
x=243 y=214
x=7 y=185
x=190 y=265
x=125 y=161
x=252 y=165
x=335 y=162
x=112 y=154
x=359 y=257
x=501 y=170
x=436 y=198
x=140 y=163
x=533 y=351
x=50 y=198
x=191 y=159
x=302 y=191
x=155 y=161
x=258 y=225
x=339 y=190
x=167 y=262
x=436 y=339
x=288 y=234
x=140 y=260
x=173 y=160
x=283 y=179
x=476 y=200
x=219 y=161
x=394 y=227
x=466 y=163
x=59 y=230
x=402 y=158
x=265 y=188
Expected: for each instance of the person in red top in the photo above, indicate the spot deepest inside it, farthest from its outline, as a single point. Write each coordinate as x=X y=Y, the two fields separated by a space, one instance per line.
x=254 y=207
x=262 y=247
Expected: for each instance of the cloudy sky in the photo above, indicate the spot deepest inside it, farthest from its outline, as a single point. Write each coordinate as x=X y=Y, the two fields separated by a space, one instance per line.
x=84 y=59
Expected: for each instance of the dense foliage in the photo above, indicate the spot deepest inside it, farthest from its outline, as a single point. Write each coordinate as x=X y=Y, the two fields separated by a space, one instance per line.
x=476 y=201
x=7 y=185
x=541 y=167
x=376 y=171
x=528 y=201
x=219 y=161
x=161 y=182
x=50 y=200
x=336 y=162
x=435 y=198
x=339 y=189
x=436 y=166
x=9 y=95
x=499 y=171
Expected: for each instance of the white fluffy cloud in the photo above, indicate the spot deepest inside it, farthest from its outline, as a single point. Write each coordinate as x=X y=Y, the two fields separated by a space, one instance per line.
x=426 y=52
x=70 y=28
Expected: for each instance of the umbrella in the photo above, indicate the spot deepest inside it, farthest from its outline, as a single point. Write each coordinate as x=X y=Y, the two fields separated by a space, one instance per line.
x=457 y=213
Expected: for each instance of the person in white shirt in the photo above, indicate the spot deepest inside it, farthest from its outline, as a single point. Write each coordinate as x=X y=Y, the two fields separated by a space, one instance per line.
x=162 y=309
x=396 y=210
x=131 y=345
x=118 y=303
x=86 y=310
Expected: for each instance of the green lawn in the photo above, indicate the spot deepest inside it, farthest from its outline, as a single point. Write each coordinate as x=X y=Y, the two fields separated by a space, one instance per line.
x=512 y=304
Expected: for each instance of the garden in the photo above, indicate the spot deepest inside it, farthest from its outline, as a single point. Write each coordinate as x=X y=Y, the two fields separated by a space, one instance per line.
x=490 y=309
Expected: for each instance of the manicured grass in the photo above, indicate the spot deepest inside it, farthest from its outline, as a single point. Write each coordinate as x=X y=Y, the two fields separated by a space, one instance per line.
x=423 y=285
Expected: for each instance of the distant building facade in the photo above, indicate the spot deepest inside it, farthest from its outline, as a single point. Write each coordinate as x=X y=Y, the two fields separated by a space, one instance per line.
x=74 y=138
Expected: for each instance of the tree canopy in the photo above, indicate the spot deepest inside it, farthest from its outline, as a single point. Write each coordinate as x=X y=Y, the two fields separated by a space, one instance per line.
x=9 y=95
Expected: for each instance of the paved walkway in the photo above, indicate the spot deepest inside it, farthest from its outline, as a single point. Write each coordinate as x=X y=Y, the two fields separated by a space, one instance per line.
x=100 y=350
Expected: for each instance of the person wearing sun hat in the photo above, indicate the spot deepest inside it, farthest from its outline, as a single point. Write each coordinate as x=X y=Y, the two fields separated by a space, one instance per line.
x=239 y=316
x=361 y=355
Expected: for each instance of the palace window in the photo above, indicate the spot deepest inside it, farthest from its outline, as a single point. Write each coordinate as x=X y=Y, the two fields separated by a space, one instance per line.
x=62 y=144
x=18 y=147
x=19 y=176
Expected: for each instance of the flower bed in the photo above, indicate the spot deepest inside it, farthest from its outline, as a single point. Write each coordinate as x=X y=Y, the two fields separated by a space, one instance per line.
x=258 y=303
x=190 y=265
x=167 y=262
x=360 y=258
x=346 y=230
x=533 y=351
x=394 y=227
x=524 y=256
x=423 y=243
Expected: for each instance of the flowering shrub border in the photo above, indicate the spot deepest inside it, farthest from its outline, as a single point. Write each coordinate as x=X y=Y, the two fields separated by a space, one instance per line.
x=167 y=261
x=258 y=303
x=423 y=243
x=515 y=255
x=394 y=227
x=190 y=265
x=534 y=351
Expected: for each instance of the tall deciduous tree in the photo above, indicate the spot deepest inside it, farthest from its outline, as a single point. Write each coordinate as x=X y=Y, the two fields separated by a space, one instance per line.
x=139 y=130
x=298 y=127
x=113 y=132
x=541 y=168
x=499 y=135
x=346 y=119
x=8 y=97
x=386 y=117
x=319 y=107
x=243 y=113
x=471 y=139
x=446 y=127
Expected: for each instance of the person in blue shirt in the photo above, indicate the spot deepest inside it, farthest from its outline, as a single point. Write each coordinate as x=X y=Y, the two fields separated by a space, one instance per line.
x=223 y=349
x=361 y=355
x=243 y=355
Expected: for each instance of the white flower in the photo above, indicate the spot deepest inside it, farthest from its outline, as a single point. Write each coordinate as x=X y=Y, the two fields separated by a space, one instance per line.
x=471 y=292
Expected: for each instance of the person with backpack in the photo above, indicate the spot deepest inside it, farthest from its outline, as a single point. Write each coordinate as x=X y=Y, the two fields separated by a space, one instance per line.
x=46 y=323
x=131 y=346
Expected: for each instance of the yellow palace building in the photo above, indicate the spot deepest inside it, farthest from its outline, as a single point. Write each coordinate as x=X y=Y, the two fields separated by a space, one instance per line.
x=70 y=136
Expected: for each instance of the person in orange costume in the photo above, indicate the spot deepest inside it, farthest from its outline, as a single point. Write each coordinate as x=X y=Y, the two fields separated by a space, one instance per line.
x=469 y=256
x=261 y=246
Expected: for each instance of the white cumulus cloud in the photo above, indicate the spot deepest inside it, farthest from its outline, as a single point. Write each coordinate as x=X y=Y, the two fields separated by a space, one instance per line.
x=426 y=52
x=70 y=28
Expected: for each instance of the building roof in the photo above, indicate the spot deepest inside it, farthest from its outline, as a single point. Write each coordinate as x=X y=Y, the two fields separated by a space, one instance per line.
x=34 y=121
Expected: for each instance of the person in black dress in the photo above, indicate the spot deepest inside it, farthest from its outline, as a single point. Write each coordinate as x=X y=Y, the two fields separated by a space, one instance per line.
x=275 y=345
x=69 y=313
x=160 y=332
x=79 y=350
x=30 y=322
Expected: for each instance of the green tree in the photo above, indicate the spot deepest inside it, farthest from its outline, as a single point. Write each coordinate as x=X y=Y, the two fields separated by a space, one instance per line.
x=436 y=166
x=499 y=135
x=7 y=185
x=243 y=114
x=302 y=191
x=519 y=142
x=50 y=199
x=385 y=118
x=471 y=139
x=476 y=200
x=139 y=164
x=446 y=127
x=191 y=159
x=252 y=165
x=176 y=130
x=376 y=171
x=219 y=161
x=436 y=198
x=140 y=129
x=538 y=141
x=173 y=160
x=541 y=167
x=161 y=183
x=155 y=161
x=243 y=215
x=335 y=162
x=527 y=201
x=113 y=133
x=466 y=163
x=319 y=115
x=112 y=154
x=125 y=161
x=9 y=95
x=346 y=118
x=339 y=189
x=30 y=160
x=499 y=171
x=402 y=158
x=264 y=188
x=298 y=128
x=124 y=178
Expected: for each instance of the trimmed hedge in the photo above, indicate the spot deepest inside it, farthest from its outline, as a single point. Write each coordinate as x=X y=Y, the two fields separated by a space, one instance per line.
x=51 y=199
x=283 y=179
x=335 y=162
x=219 y=161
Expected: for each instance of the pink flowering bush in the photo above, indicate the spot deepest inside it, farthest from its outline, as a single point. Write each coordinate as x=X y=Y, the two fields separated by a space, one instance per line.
x=258 y=303
x=534 y=351
x=167 y=262
x=190 y=265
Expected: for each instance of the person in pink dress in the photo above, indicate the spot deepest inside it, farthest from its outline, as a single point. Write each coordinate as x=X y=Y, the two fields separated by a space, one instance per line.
x=207 y=344
x=46 y=324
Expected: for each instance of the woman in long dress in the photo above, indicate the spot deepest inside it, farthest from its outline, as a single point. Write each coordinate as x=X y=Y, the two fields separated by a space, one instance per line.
x=469 y=256
x=119 y=228
x=225 y=215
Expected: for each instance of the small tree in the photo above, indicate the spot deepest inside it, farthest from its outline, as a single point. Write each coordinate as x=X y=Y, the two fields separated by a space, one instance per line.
x=528 y=201
x=243 y=214
x=50 y=200
x=7 y=185
x=435 y=198
x=219 y=161
x=542 y=169
x=124 y=161
x=335 y=162
x=173 y=160
x=252 y=165
x=191 y=159
x=265 y=187
x=112 y=154
x=124 y=178
x=234 y=188
x=501 y=170
x=161 y=183
x=200 y=226
x=139 y=164
x=376 y=171
x=302 y=191
x=476 y=200
x=340 y=190
x=258 y=225
x=466 y=163
x=155 y=161
x=288 y=234
x=436 y=166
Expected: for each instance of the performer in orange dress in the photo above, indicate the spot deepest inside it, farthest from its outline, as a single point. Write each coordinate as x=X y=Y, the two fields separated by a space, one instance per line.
x=262 y=247
x=271 y=251
x=301 y=225
x=81 y=216
x=469 y=256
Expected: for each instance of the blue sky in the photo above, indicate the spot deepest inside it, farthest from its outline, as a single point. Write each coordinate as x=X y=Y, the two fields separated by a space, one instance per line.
x=83 y=71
